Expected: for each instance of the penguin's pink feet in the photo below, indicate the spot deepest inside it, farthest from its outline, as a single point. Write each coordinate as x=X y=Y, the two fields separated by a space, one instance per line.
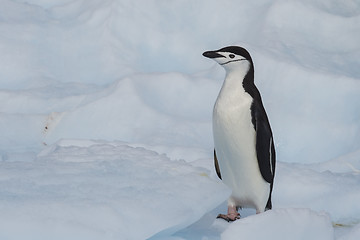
x=231 y=216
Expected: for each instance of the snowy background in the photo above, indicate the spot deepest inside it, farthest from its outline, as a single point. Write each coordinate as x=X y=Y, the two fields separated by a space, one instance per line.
x=105 y=117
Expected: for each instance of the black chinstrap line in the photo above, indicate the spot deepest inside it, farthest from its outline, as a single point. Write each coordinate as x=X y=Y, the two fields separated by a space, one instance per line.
x=232 y=61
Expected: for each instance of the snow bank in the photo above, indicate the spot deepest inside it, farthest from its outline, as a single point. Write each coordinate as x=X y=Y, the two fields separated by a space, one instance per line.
x=102 y=190
x=282 y=224
x=161 y=109
x=68 y=57
x=353 y=234
x=300 y=186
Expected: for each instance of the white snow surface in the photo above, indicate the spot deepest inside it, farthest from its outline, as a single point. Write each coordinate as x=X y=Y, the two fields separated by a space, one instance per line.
x=289 y=224
x=105 y=117
x=99 y=190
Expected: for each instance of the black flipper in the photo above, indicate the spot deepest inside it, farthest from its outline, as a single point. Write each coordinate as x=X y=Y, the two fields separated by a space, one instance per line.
x=264 y=141
x=265 y=148
x=217 y=168
x=264 y=144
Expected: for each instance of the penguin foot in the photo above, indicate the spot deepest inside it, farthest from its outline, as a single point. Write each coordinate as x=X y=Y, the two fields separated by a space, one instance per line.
x=230 y=217
x=232 y=214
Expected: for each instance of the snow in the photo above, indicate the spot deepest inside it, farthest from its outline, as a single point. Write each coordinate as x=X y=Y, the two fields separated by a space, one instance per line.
x=282 y=224
x=338 y=190
x=354 y=234
x=82 y=189
x=105 y=117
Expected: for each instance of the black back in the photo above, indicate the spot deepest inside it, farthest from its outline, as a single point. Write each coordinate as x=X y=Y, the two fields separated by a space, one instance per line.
x=265 y=148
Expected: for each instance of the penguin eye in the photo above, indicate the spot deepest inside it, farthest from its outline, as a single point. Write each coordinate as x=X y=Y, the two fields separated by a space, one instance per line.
x=231 y=55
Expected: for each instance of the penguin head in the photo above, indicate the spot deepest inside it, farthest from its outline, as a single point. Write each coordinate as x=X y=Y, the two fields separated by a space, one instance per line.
x=231 y=58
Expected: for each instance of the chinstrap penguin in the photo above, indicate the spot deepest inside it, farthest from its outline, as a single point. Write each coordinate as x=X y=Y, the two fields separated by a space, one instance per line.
x=244 y=153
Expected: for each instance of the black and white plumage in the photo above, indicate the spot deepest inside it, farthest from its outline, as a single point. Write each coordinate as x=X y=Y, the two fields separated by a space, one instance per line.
x=244 y=152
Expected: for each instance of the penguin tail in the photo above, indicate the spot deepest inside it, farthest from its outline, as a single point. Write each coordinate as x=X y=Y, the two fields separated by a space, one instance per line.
x=269 y=204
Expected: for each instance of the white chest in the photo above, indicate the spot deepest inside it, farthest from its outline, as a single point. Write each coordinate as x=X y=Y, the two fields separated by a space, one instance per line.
x=232 y=114
x=234 y=133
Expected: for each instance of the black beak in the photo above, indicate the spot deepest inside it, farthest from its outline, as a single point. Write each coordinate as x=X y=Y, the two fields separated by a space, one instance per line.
x=212 y=54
